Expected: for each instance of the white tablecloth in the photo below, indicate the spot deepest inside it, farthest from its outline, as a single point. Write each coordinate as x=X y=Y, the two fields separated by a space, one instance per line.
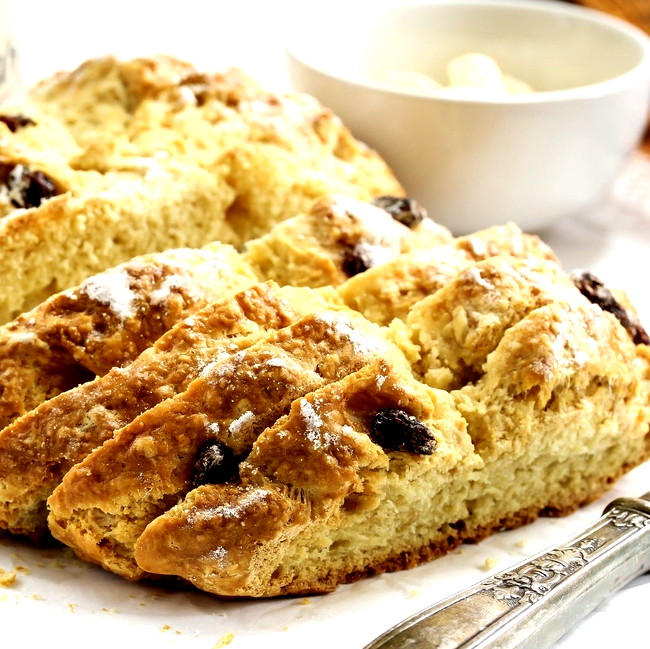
x=57 y=598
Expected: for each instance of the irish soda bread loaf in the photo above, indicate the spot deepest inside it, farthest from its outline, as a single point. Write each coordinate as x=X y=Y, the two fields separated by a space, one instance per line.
x=117 y=159
x=337 y=388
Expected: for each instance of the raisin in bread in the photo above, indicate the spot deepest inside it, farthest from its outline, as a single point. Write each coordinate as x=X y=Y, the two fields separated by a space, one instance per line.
x=117 y=159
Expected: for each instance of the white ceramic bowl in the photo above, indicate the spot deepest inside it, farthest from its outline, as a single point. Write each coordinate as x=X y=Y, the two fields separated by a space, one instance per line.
x=472 y=163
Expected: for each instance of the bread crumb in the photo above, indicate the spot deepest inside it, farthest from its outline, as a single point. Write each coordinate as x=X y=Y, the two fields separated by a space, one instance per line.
x=489 y=563
x=224 y=640
x=522 y=544
x=37 y=597
x=8 y=577
x=166 y=627
x=72 y=608
x=304 y=601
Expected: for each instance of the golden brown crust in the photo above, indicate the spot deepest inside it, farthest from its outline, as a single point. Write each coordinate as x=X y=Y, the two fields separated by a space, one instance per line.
x=107 y=322
x=150 y=154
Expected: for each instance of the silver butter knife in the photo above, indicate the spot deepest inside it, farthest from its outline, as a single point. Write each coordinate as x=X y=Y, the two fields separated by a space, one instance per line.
x=534 y=603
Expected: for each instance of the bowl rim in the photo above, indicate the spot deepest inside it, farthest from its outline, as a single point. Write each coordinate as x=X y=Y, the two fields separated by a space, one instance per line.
x=591 y=90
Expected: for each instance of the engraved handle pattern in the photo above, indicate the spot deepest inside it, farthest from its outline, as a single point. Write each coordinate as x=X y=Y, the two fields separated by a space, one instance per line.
x=537 y=601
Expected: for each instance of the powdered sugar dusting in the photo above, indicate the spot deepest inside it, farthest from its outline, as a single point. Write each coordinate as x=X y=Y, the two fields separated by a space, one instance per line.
x=234 y=511
x=381 y=235
x=170 y=284
x=276 y=362
x=112 y=289
x=223 y=364
x=361 y=342
x=315 y=430
x=252 y=497
x=213 y=427
x=218 y=555
x=375 y=255
x=474 y=273
x=313 y=422
x=242 y=422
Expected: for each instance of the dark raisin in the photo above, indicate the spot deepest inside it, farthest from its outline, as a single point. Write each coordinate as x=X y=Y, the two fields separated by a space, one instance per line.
x=29 y=188
x=215 y=464
x=14 y=122
x=395 y=430
x=595 y=291
x=356 y=260
x=406 y=211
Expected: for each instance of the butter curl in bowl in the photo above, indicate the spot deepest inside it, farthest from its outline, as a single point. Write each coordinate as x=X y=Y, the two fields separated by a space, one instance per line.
x=573 y=101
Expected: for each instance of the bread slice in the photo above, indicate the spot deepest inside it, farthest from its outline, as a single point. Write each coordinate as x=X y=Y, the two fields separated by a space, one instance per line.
x=340 y=237
x=104 y=502
x=107 y=321
x=118 y=159
x=39 y=448
x=362 y=475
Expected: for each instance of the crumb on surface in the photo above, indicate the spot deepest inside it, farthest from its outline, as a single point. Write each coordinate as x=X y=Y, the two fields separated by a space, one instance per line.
x=489 y=563
x=8 y=577
x=224 y=640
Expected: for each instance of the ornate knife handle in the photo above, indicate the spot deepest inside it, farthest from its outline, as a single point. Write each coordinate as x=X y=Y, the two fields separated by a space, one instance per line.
x=533 y=604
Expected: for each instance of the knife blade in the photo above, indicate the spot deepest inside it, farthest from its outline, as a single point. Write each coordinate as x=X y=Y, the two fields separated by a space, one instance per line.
x=534 y=603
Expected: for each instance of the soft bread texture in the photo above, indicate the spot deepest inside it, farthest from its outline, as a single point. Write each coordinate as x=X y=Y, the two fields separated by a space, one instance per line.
x=149 y=154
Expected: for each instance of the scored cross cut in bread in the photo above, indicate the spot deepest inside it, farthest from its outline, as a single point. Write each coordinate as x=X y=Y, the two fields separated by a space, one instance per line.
x=41 y=446
x=388 y=291
x=454 y=330
x=108 y=320
x=341 y=237
x=361 y=476
x=104 y=502
x=562 y=409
